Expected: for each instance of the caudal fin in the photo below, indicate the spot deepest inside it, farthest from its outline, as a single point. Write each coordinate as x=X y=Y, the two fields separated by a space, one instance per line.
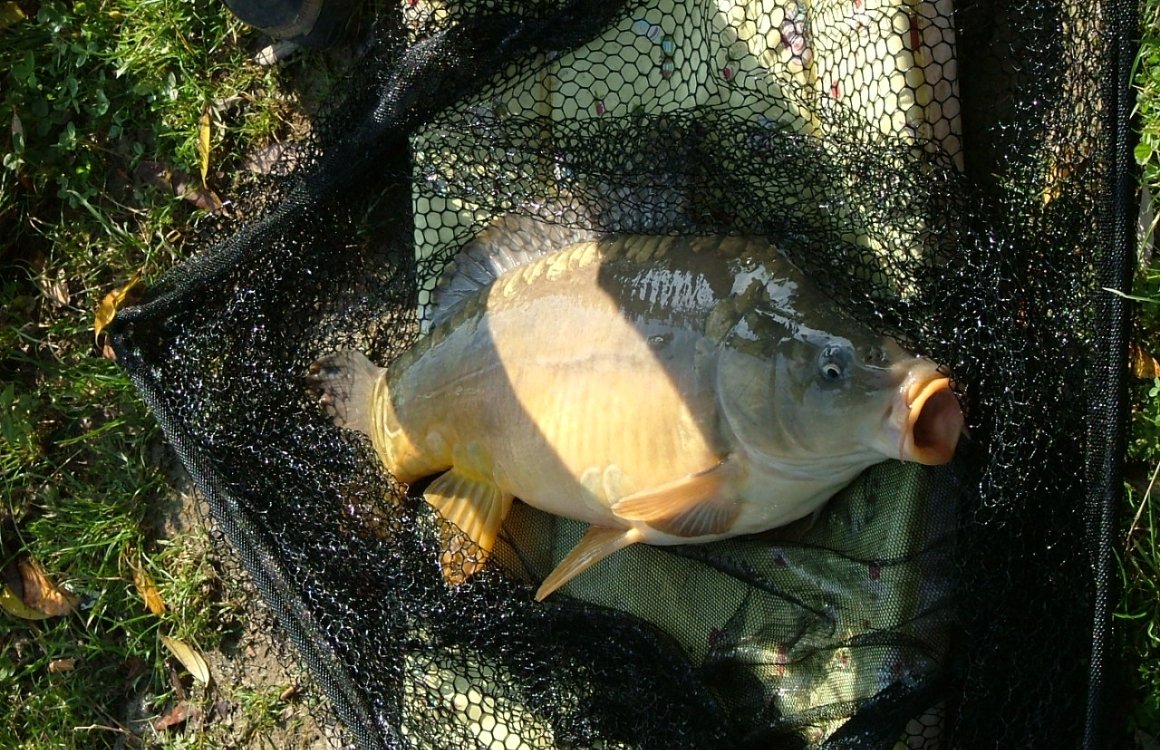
x=344 y=382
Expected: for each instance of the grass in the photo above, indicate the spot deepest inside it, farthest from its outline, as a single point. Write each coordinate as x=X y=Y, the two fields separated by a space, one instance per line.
x=101 y=109
x=100 y=100
x=1138 y=615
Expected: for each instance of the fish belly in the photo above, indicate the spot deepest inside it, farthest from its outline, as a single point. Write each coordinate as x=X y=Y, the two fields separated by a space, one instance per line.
x=563 y=400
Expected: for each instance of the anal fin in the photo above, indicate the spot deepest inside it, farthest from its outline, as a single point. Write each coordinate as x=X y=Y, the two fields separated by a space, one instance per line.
x=477 y=507
x=598 y=543
x=693 y=506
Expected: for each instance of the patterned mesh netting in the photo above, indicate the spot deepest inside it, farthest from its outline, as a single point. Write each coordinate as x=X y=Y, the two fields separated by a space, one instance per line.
x=951 y=174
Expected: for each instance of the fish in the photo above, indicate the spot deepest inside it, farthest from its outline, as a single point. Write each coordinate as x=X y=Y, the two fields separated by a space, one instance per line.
x=665 y=390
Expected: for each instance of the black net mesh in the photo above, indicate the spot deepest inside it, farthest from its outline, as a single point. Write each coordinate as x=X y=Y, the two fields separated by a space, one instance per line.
x=950 y=174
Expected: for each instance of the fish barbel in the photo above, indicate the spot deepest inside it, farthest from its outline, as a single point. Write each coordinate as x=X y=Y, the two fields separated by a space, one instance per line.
x=665 y=390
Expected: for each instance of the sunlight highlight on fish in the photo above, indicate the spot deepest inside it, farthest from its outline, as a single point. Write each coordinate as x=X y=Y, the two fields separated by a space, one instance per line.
x=664 y=390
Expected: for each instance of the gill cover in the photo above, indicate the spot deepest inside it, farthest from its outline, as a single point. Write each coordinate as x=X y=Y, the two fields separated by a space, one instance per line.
x=802 y=390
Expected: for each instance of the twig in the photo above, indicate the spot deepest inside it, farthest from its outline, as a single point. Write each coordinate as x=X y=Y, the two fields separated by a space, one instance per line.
x=1140 y=510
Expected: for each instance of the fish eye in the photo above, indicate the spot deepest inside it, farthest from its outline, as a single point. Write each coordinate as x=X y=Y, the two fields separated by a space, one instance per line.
x=833 y=363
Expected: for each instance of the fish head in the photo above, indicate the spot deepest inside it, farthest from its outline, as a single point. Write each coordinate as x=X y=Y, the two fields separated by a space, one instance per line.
x=829 y=393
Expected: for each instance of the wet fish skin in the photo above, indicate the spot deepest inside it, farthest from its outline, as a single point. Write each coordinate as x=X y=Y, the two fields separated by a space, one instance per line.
x=664 y=390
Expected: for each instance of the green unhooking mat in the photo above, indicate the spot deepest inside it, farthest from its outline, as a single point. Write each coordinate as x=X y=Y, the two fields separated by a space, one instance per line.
x=954 y=175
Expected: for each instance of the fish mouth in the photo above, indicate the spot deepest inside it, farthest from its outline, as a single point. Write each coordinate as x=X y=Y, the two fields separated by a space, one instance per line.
x=934 y=421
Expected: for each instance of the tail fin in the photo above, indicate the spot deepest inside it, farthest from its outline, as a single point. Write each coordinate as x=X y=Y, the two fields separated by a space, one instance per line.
x=344 y=382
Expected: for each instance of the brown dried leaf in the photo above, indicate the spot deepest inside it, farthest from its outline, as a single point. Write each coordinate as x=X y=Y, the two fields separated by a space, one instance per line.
x=148 y=590
x=1144 y=365
x=177 y=716
x=201 y=197
x=189 y=658
x=204 y=199
x=41 y=594
x=56 y=666
x=114 y=301
x=180 y=184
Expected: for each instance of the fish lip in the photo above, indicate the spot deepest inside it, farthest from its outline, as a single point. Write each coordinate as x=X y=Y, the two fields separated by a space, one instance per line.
x=933 y=420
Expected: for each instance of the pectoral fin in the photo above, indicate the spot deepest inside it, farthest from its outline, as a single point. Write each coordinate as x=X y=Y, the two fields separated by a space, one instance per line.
x=478 y=508
x=693 y=506
x=598 y=543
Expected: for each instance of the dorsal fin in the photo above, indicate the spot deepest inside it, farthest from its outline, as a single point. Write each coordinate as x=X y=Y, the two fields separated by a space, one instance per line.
x=511 y=241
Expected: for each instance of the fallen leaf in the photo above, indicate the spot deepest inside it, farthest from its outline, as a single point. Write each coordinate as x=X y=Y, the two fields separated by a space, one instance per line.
x=189 y=658
x=56 y=666
x=201 y=197
x=41 y=594
x=1144 y=365
x=289 y=692
x=11 y=603
x=204 y=126
x=177 y=716
x=205 y=199
x=10 y=14
x=180 y=184
x=114 y=301
x=148 y=590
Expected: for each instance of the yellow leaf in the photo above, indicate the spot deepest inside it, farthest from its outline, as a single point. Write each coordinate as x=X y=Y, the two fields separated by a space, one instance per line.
x=10 y=13
x=12 y=604
x=148 y=590
x=112 y=302
x=42 y=594
x=189 y=658
x=203 y=134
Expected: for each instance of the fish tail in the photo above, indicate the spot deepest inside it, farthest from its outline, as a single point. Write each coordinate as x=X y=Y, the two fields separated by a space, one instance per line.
x=345 y=384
